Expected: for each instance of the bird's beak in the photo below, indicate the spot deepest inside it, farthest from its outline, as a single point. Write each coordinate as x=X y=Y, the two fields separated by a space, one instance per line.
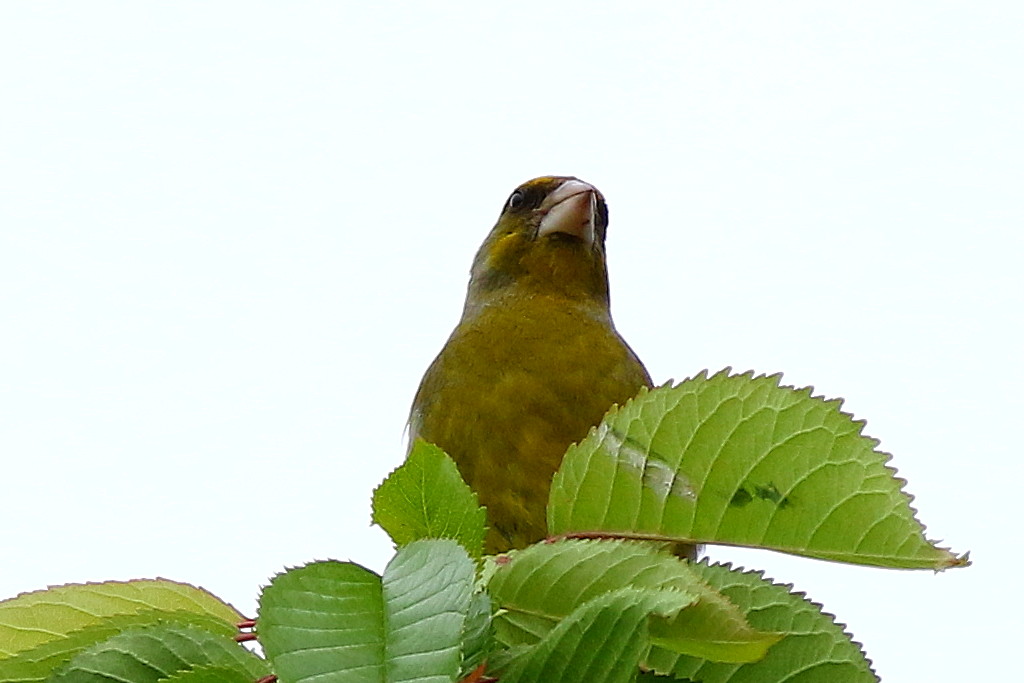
x=571 y=209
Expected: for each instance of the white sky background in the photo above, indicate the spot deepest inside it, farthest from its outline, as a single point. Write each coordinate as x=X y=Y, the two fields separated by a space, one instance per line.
x=233 y=235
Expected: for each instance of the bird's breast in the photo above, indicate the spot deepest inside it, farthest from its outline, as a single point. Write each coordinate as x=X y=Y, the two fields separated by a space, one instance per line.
x=513 y=387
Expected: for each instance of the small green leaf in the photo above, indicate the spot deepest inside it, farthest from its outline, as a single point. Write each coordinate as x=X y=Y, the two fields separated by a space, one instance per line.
x=323 y=618
x=541 y=585
x=476 y=634
x=737 y=459
x=155 y=653
x=601 y=641
x=341 y=620
x=815 y=649
x=713 y=628
x=427 y=498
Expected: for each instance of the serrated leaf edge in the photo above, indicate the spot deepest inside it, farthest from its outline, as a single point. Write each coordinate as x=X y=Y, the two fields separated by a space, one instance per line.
x=789 y=588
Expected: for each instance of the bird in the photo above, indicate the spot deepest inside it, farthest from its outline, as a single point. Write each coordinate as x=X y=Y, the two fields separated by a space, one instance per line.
x=535 y=360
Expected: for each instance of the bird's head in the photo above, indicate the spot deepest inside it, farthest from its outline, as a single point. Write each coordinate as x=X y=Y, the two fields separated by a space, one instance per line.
x=549 y=239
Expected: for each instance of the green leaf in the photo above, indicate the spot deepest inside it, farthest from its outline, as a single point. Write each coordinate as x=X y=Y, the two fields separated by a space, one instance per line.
x=155 y=653
x=42 y=631
x=599 y=642
x=540 y=586
x=36 y=664
x=209 y=674
x=476 y=634
x=33 y=619
x=337 y=621
x=427 y=498
x=815 y=649
x=739 y=460
x=713 y=628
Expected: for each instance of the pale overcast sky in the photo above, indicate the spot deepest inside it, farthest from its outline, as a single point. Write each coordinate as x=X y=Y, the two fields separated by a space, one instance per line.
x=233 y=235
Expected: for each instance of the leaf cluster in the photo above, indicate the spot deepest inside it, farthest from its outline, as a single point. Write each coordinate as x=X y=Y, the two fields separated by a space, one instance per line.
x=726 y=459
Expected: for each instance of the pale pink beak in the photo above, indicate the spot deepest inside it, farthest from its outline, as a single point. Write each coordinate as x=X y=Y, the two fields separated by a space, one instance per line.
x=571 y=209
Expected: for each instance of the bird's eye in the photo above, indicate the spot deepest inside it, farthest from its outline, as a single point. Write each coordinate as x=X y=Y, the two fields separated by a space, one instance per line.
x=516 y=200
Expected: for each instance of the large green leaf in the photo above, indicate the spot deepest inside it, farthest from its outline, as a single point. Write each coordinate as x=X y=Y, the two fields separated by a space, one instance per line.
x=739 y=460
x=156 y=653
x=209 y=674
x=42 y=631
x=33 y=619
x=36 y=664
x=815 y=649
x=337 y=621
x=427 y=498
x=540 y=586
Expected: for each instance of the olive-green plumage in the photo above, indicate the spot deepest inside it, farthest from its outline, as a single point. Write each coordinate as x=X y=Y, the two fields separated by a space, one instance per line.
x=534 y=362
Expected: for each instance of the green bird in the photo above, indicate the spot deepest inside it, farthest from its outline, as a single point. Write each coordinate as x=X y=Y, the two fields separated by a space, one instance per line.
x=535 y=360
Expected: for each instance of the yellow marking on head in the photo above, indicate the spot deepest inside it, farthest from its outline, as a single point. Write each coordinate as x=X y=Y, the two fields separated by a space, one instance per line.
x=543 y=180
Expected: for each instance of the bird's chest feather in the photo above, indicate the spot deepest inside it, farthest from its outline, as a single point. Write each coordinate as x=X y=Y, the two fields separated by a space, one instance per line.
x=512 y=389
x=559 y=359
x=538 y=369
